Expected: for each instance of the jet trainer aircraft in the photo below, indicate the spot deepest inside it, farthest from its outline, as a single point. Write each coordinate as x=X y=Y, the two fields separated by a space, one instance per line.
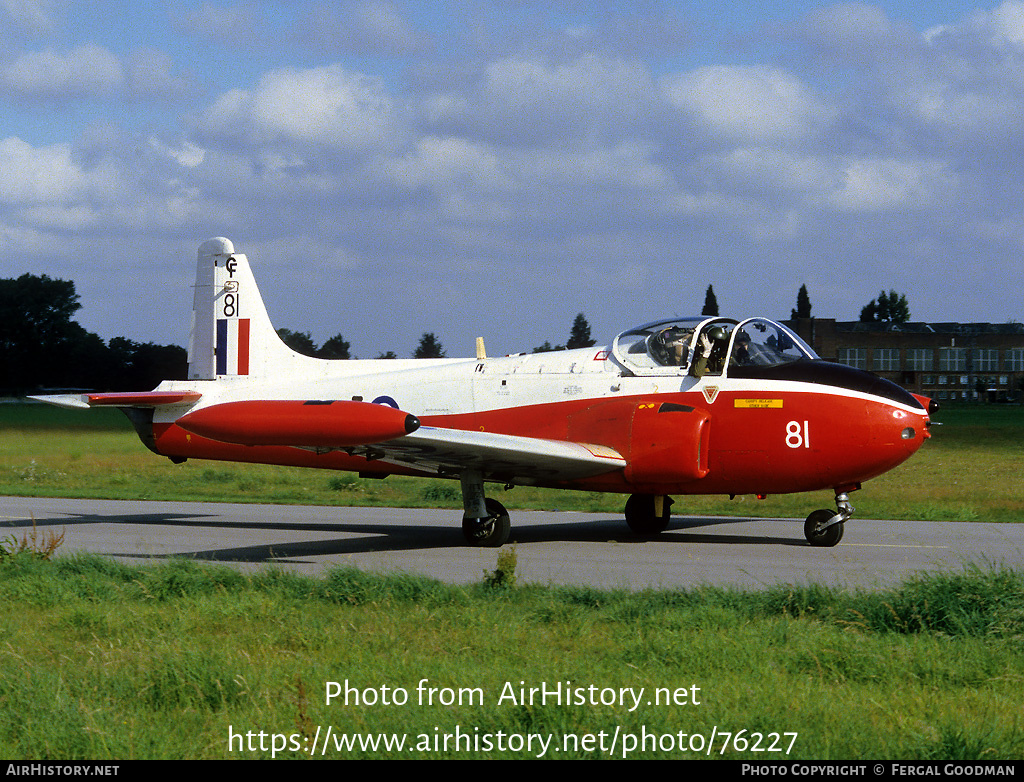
x=674 y=407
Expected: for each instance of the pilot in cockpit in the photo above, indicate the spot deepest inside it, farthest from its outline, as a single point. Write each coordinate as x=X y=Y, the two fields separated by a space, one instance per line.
x=740 y=356
x=669 y=346
x=710 y=354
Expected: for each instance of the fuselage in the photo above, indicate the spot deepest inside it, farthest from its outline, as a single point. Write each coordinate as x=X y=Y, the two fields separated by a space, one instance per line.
x=739 y=428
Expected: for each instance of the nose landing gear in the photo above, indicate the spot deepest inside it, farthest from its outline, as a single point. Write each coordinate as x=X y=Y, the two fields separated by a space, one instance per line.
x=825 y=527
x=648 y=514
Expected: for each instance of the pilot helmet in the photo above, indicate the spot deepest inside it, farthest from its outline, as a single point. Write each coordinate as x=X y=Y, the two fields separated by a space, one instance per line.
x=717 y=334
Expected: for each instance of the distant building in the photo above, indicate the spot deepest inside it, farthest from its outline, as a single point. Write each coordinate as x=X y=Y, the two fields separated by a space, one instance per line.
x=944 y=361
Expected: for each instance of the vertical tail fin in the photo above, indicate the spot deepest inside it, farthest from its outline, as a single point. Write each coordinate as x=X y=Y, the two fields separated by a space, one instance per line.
x=231 y=332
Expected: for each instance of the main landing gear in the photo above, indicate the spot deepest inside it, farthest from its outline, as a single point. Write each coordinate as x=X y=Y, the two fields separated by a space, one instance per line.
x=648 y=514
x=485 y=521
x=825 y=527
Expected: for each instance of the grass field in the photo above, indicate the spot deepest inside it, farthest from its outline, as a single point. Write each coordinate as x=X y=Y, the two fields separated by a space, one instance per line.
x=971 y=470
x=100 y=660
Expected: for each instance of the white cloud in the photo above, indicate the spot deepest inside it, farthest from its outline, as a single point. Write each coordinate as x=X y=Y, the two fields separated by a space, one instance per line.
x=807 y=182
x=328 y=106
x=625 y=165
x=982 y=111
x=850 y=22
x=86 y=70
x=528 y=100
x=150 y=74
x=38 y=175
x=372 y=27
x=225 y=25
x=58 y=188
x=965 y=80
x=61 y=218
x=549 y=147
x=856 y=33
x=1007 y=23
x=1002 y=26
x=587 y=82
x=887 y=184
x=446 y=162
x=33 y=16
x=184 y=154
x=759 y=103
x=774 y=171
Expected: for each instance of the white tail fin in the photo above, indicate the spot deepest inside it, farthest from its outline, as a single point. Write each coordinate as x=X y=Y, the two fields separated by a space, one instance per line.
x=231 y=332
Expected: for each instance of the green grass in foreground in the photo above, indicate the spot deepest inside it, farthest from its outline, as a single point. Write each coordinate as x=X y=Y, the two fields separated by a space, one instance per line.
x=101 y=660
x=971 y=470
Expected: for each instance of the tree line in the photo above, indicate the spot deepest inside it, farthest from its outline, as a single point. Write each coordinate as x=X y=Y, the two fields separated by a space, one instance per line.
x=43 y=348
x=891 y=307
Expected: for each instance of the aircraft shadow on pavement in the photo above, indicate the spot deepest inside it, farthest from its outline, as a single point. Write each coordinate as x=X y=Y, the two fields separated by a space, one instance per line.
x=615 y=530
x=71 y=519
x=383 y=536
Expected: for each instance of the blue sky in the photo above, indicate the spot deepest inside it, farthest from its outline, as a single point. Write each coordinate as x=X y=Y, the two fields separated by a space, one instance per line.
x=492 y=168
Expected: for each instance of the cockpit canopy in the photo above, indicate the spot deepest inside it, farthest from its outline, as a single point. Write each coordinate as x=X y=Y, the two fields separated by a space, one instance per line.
x=707 y=346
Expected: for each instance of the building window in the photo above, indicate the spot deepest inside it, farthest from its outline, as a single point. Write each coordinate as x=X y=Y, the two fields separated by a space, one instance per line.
x=952 y=359
x=1015 y=359
x=920 y=359
x=929 y=380
x=986 y=360
x=886 y=360
x=854 y=357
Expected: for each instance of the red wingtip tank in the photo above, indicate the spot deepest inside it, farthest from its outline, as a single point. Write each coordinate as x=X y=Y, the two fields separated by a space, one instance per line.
x=321 y=424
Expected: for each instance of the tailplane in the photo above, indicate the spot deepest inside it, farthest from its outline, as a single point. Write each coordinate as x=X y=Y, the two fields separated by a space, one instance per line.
x=232 y=335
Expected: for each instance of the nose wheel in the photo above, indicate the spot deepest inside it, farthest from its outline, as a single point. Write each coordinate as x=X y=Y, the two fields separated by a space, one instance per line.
x=648 y=514
x=824 y=527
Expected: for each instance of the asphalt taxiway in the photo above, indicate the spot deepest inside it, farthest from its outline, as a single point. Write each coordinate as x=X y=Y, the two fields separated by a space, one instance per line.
x=594 y=549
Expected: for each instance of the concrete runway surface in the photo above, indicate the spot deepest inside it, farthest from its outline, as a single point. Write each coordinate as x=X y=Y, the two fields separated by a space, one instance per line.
x=594 y=549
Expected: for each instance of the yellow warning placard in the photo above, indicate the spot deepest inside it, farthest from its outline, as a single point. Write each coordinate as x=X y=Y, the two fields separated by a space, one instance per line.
x=760 y=404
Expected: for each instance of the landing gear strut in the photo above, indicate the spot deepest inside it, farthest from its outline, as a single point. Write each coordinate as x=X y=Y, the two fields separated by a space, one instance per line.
x=648 y=514
x=485 y=522
x=825 y=527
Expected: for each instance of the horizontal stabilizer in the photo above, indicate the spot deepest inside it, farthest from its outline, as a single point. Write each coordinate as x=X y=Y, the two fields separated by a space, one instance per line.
x=119 y=399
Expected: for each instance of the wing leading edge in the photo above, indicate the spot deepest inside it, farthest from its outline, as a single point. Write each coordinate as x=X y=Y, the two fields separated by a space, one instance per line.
x=500 y=457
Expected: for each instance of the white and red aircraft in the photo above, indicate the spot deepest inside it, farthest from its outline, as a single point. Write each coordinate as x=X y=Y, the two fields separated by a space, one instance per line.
x=682 y=406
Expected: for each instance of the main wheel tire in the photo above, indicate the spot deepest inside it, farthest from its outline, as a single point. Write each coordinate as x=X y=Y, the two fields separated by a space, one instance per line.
x=640 y=515
x=830 y=536
x=492 y=532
